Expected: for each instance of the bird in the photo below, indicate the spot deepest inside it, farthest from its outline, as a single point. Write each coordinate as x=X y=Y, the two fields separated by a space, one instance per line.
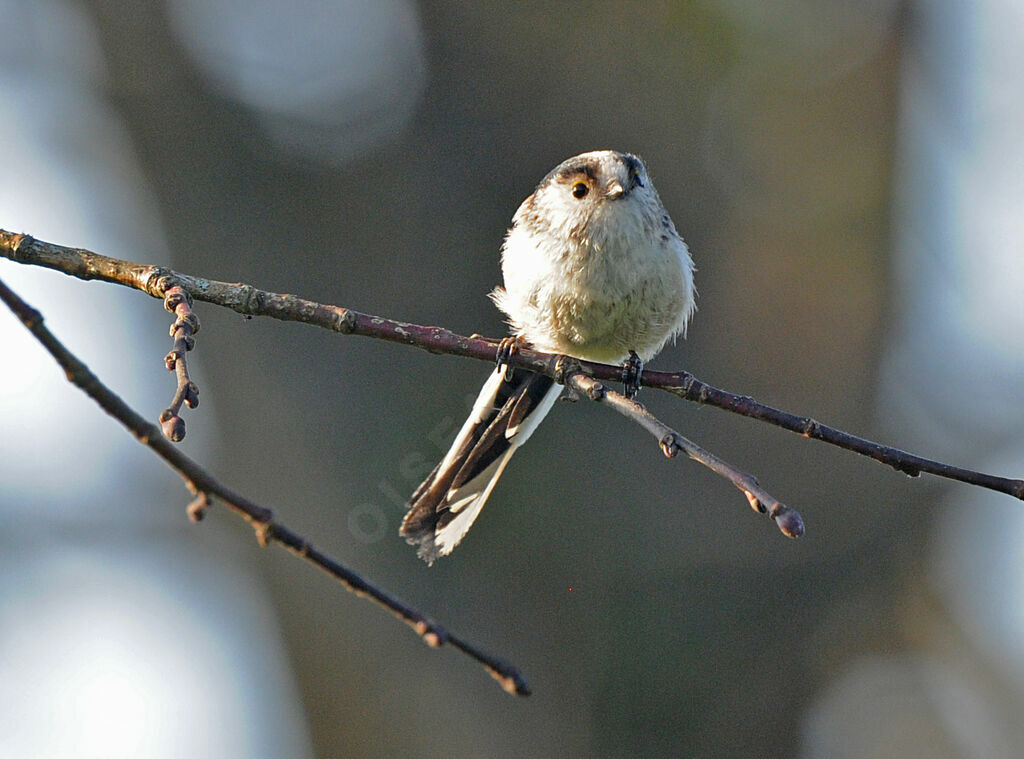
x=594 y=269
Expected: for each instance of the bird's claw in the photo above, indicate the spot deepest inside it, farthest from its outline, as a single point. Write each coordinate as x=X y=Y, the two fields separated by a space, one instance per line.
x=632 y=371
x=507 y=348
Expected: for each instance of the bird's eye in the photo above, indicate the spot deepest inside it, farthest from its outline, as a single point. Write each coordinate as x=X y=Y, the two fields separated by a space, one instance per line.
x=580 y=190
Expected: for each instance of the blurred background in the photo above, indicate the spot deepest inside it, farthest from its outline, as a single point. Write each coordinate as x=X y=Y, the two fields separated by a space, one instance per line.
x=850 y=179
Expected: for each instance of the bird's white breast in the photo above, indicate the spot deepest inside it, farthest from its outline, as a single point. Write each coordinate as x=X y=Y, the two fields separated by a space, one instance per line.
x=596 y=289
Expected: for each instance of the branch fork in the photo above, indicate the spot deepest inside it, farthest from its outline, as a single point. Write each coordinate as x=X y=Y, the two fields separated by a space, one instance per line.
x=788 y=520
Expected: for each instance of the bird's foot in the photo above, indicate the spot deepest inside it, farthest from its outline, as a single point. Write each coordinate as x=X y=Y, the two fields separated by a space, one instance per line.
x=632 y=371
x=507 y=348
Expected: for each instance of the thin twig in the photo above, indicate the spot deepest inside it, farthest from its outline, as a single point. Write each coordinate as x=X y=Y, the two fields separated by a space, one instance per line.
x=786 y=519
x=246 y=299
x=183 y=331
x=268 y=529
x=686 y=386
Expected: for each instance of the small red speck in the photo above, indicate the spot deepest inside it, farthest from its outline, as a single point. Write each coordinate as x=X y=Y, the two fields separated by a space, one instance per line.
x=570 y=589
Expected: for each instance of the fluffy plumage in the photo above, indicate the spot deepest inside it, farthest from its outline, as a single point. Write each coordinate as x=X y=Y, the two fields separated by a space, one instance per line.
x=593 y=268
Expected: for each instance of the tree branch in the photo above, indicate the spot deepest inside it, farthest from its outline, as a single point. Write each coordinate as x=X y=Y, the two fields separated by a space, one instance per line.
x=686 y=386
x=268 y=528
x=248 y=300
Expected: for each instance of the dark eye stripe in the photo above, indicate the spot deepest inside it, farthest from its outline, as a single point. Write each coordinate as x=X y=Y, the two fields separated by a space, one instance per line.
x=568 y=170
x=585 y=171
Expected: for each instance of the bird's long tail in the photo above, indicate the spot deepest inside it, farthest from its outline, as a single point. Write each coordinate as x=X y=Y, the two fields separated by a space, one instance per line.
x=505 y=414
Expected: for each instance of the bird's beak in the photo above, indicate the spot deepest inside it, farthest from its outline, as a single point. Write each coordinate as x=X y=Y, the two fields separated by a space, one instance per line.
x=615 y=190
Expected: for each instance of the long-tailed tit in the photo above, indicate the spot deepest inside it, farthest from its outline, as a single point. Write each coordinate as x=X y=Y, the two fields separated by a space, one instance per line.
x=593 y=269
